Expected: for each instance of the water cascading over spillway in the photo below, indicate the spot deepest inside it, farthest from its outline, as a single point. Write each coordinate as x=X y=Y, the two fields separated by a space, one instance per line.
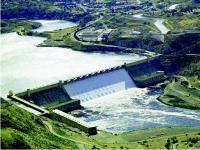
x=100 y=85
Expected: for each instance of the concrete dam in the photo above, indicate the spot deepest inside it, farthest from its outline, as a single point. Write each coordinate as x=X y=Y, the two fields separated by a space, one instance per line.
x=67 y=95
x=100 y=85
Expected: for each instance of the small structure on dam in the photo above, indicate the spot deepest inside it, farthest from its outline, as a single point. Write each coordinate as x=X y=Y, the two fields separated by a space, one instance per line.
x=146 y=72
x=67 y=96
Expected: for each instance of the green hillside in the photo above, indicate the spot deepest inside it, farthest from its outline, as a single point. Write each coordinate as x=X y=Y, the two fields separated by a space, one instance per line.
x=23 y=130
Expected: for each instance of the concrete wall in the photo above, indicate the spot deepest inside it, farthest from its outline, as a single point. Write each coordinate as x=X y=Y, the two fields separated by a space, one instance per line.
x=72 y=121
x=68 y=106
x=45 y=95
x=151 y=80
x=20 y=100
x=38 y=89
x=146 y=67
x=58 y=92
x=92 y=74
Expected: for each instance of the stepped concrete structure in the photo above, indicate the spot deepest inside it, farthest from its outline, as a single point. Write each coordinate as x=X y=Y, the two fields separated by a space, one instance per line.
x=146 y=72
x=46 y=95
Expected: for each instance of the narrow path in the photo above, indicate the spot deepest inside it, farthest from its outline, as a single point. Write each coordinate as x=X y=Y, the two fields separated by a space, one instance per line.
x=80 y=144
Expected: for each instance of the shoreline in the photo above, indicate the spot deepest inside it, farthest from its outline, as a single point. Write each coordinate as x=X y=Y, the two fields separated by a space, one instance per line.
x=180 y=93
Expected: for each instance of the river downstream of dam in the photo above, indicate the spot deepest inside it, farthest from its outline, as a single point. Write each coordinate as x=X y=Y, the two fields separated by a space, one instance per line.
x=24 y=65
x=135 y=109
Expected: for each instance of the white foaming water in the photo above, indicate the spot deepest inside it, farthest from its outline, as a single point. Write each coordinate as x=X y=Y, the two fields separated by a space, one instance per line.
x=135 y=109
x=24 y=65
x=100 y=85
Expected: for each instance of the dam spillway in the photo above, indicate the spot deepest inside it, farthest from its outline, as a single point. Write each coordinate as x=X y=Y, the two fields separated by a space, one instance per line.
x=100 y=85
x=97 y=84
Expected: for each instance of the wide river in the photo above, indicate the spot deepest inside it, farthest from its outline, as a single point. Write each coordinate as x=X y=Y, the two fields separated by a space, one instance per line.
x=24 y=65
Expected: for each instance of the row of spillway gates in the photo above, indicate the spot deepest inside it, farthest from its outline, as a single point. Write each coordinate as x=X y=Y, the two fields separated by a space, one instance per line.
x=68 y=95
x=100 y=85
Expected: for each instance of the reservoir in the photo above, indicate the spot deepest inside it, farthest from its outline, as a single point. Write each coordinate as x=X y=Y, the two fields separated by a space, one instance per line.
x=24 y=65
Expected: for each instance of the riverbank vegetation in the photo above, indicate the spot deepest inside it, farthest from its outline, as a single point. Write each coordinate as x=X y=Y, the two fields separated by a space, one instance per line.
x=43 y=9
x=180 y=92
x=19 y=26
x=62 y=38
x=183 y=90
x=25 y=130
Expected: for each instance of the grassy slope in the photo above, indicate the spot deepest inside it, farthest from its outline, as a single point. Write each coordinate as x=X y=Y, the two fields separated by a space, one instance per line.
x=125 y=25
x=180 y=95
x=20 y=129
x=65 y=38
x=173 y=43
x=182 y=23
x=154 y=138
x=62 y=38
x=182 y=91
